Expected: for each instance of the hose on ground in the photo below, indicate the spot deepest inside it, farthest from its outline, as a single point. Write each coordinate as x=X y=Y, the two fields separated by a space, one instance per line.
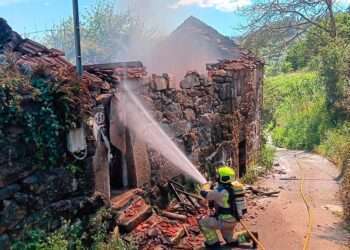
x=308 y=233
x=252 y=236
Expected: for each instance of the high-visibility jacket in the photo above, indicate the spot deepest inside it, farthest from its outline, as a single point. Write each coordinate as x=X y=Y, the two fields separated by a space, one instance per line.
x=228 y=200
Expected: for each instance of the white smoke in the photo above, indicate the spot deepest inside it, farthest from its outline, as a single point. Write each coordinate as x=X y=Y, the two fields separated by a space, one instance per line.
x=222 y=5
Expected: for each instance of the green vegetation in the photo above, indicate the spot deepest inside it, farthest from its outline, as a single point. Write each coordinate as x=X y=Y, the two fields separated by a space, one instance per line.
x=307 y=96
x=336 y=146
x=42 y=111
x=264 y=164
x=107 y=35
x=82 y=235
x=295 y=107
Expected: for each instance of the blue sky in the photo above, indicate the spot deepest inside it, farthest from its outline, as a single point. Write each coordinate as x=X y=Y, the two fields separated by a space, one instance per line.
x=27 y=16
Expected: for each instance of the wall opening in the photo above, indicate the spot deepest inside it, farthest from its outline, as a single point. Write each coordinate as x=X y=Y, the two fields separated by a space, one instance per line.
x=118 y=171
x=242 y=153
x=122 y=172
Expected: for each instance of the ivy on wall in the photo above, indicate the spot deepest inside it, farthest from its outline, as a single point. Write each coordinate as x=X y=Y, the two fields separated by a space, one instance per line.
x=37 y=112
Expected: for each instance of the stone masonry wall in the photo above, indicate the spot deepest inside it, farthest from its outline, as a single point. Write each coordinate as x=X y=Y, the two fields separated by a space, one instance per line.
x=209 y=116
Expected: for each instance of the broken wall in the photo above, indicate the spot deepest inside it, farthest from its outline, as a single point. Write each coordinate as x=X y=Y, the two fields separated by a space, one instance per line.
x=208 y=117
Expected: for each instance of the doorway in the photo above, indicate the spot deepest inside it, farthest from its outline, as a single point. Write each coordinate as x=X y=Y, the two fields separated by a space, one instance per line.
x=118 y=173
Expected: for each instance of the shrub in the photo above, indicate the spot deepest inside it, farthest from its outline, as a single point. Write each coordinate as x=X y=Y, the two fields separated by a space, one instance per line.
x=267 y=156
x=265 y=163
x=295 y=110
x=336 y=146
x=69 y=237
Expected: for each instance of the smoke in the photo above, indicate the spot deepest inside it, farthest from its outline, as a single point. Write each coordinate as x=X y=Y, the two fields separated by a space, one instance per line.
x=157 y=14
x=162 y=47
x=139 y=120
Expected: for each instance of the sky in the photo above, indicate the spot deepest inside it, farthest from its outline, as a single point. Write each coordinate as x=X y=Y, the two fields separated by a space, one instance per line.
x=28 y=16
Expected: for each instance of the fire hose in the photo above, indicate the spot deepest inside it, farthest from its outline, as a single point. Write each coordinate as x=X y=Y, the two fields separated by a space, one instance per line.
x=301 y=190
x=246 y=228
x=252 y=236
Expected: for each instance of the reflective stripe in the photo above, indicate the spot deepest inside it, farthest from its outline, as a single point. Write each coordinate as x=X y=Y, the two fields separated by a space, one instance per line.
x=225 y=200
x=210 y=236
x=225 y=216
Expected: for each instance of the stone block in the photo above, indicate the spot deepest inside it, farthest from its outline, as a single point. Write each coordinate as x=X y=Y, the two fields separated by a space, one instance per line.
x=4 y=242
x=181 y=127
x=189 y=114
x=123 y=200
x=159 y=83
x=52 y=185
x=218 y=79
x=133 y=215
x=191 y=80
x=225 y=92
x=11 y=215
x=8 y=191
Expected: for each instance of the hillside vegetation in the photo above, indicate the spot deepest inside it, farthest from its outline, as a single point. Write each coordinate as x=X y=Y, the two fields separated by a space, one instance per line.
x=295 y=106
x=306 y=99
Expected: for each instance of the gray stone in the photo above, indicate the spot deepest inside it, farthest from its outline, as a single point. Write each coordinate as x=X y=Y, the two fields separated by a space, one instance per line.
x=181 y=127
x=206 y=120
x=160 y=83
x=8 y=191
x=4 y=242
x=189 y=114
x=191 y=80
x=225 y=92
x=219 y=79
x=3 y=60
x=11 y=215
x=174 y=107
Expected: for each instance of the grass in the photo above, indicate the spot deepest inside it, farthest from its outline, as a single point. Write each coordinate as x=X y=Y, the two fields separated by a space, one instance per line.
x=265 y=163
x=295 y=110
x=336 y=147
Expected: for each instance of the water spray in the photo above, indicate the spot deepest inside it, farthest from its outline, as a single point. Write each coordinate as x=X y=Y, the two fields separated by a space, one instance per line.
x=147 y=129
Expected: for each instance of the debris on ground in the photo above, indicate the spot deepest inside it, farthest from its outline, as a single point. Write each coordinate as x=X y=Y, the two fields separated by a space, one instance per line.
x=262 y=191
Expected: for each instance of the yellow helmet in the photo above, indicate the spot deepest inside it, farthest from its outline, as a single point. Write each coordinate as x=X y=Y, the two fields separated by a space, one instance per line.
x=226 y=174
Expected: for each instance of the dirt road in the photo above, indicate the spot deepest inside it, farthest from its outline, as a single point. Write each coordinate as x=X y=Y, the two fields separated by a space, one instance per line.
x=282 y=221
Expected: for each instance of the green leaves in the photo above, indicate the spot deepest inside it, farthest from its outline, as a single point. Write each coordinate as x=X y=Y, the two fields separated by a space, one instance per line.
x=296 y=104
x=45 y=112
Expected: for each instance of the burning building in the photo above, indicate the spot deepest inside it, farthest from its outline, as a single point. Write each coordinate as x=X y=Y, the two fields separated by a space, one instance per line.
x=212 y=117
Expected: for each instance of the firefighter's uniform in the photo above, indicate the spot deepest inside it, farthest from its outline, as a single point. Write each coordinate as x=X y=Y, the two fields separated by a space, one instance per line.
x=225 y=218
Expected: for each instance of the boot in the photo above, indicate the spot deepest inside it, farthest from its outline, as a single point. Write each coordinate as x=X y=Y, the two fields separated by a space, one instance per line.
x=214 y=246
x=234 y=243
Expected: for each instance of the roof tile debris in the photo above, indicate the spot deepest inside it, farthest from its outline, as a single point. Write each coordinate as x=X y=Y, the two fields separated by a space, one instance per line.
x=30 y=55
x=117 y=71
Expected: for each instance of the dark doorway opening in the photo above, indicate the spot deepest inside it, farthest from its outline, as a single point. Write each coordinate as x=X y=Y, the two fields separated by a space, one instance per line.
x=242 y=153
x=116 y=170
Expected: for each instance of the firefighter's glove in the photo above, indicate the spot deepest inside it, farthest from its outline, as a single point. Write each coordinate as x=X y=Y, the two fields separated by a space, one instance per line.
x=206 y=186
x=205 y=189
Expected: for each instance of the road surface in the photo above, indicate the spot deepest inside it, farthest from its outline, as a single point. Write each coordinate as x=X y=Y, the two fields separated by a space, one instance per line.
x=282 y=221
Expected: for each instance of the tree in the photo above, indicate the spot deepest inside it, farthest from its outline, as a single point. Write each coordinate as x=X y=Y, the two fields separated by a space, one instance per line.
x=287 y=20
x=106 y=35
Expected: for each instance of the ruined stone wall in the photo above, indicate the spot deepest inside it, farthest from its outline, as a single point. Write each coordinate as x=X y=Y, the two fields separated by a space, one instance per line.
x=209 y=116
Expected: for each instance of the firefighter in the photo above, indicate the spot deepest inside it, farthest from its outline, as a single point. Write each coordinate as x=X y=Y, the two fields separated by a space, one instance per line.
x=229 y=207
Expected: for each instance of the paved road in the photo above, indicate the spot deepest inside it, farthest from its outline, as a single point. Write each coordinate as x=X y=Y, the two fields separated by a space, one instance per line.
x=282 y=221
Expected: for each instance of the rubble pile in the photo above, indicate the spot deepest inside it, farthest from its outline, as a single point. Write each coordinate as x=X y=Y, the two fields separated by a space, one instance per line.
x=212 y=117
x=31 y=197
x=159 y=232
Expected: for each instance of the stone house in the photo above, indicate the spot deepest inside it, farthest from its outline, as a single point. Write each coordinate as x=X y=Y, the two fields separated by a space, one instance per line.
x=212 y=117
